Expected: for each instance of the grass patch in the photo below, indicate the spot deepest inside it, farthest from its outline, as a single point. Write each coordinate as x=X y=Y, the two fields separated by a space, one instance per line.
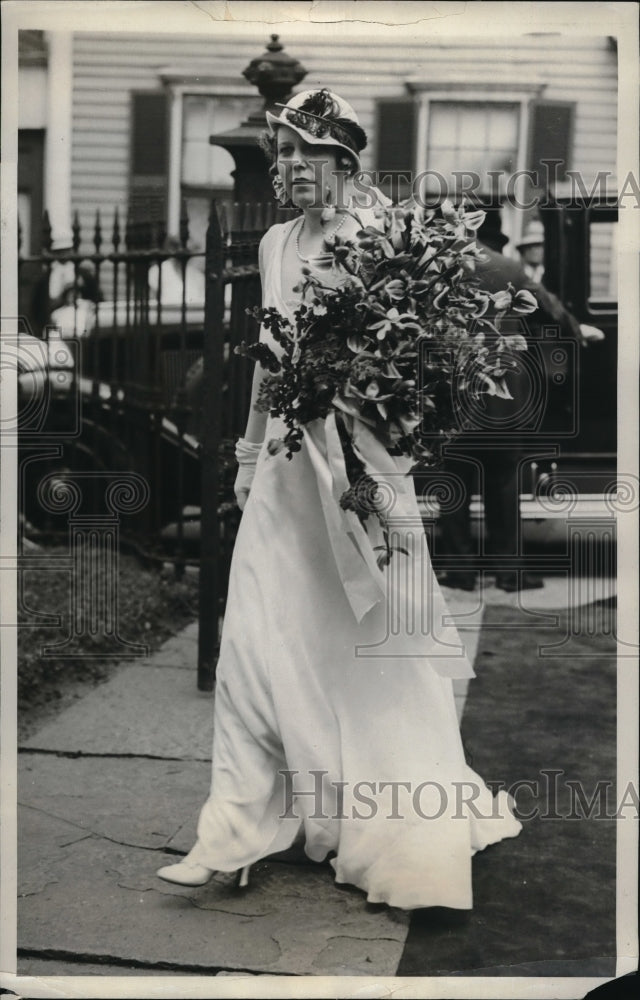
x=151 y=607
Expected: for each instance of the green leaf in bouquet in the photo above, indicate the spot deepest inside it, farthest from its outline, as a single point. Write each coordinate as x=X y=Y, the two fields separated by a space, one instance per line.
x=515 y=342
x=261 y=353
x=384 y=557
x=524 y=301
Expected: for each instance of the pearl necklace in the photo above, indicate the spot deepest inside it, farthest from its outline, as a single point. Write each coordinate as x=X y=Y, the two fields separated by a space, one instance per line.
x=319 y=257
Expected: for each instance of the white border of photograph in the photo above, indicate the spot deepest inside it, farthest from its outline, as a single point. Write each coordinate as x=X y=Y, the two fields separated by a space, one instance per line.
x=372 y=20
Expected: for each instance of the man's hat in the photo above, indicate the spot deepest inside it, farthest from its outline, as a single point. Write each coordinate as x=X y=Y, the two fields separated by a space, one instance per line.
x=490 y=232
x=533 y=235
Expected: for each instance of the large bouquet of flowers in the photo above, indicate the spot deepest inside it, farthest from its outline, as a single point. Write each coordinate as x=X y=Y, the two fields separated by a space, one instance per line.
x=403 y=333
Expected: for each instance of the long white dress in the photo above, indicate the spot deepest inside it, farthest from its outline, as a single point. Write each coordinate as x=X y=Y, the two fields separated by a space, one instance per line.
x=334 y=707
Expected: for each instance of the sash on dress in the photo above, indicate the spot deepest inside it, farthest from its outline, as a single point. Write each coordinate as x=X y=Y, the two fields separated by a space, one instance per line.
x=350 y=544
x=407 y=585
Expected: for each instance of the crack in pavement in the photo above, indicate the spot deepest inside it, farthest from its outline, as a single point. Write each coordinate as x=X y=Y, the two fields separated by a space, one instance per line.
x=134 y=888
x=100 y=836
x=78 y=840
x=36 y=892
x=88 y=754
x=176 y=832
x=225 y=910
x=60 y=954
x=356 y=937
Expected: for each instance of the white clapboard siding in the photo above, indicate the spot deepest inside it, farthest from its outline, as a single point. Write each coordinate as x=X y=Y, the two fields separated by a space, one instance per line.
x=107 y=68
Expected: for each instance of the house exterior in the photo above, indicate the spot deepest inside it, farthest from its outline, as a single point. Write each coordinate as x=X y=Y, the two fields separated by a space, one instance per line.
x=122 y=120
x=112 y=120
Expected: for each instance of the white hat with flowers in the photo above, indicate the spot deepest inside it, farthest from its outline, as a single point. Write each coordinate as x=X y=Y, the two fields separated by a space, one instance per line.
x=322 y=118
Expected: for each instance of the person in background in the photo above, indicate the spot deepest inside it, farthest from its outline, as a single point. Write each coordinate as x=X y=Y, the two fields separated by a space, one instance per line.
x=531 y=250
x=65 y=295
x=166 y=280
x=74 y=306
x=496 y=461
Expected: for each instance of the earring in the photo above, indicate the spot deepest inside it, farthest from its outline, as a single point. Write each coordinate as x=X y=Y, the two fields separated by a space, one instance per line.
x=278 y=189
x=329 y=211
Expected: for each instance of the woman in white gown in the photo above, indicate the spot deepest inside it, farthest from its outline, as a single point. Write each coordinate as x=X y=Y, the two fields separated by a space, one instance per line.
x=334 y=713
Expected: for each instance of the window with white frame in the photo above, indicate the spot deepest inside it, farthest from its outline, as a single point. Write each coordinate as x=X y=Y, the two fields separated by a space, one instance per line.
x=205 y=169
x=483 y=132
x=201 y=106
x=474 y=136
x=445 y=133
x=460 y=136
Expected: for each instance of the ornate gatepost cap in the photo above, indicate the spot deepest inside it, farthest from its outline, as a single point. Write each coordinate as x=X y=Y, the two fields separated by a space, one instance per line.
x=274 y=73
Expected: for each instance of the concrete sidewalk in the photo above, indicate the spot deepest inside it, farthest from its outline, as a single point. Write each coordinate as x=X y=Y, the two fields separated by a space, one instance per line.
x=111 y=789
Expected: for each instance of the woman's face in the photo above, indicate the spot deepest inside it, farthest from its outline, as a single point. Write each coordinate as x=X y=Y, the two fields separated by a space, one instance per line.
x=309 y=172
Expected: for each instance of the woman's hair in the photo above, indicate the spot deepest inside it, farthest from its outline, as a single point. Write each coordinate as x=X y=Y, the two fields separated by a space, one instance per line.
x=269 y=145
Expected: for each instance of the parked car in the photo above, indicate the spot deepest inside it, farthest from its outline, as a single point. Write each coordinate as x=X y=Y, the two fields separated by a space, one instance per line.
x=42 y=366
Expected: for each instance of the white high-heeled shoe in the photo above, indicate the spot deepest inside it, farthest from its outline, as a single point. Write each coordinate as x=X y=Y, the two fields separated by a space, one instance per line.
x=185 y=873
x=191 y=874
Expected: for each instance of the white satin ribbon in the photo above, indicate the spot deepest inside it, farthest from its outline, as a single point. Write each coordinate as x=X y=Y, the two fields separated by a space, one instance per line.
x=363 y=583
x=409 y=582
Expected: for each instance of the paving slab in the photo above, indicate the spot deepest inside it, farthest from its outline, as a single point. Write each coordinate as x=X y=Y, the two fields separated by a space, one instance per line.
x=43 y=841
x=92 y=833
x=138 y=802
x=103 y=904
x=179 y=651
x=141 y=710
x=46 y=968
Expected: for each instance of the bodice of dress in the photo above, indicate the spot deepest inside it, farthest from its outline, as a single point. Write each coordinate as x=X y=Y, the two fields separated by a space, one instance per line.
x=272 y=251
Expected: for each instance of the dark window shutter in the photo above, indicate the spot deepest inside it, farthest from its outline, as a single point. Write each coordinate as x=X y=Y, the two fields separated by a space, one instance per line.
x=31 y=182
x=148 y=187
x=396 y=145
x=551 y=138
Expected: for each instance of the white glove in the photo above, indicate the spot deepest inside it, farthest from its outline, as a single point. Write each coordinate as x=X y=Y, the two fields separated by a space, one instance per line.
x=247 y=456
x=590 y=333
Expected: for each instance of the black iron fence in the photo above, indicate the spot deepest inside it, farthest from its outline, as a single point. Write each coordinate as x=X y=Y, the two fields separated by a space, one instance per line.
x=232 y=289
x=153 y=388
x=153 y=325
